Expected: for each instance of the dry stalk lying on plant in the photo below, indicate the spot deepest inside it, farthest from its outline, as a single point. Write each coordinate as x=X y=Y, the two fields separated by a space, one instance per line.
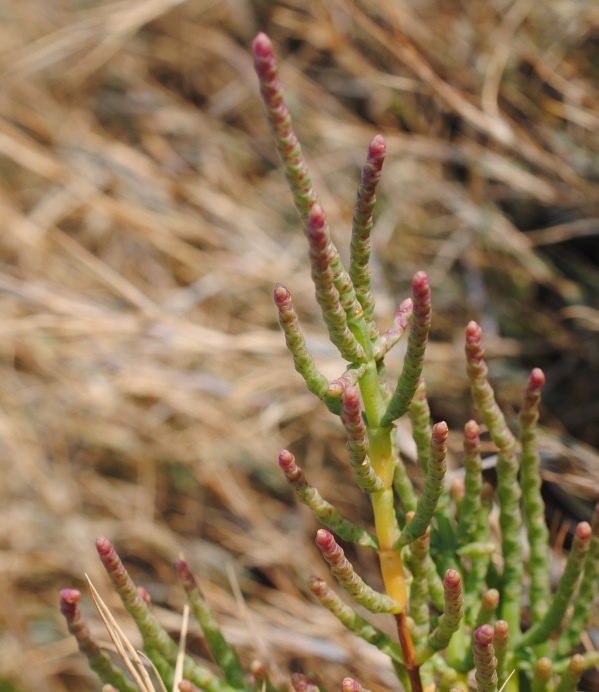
x=457 y=611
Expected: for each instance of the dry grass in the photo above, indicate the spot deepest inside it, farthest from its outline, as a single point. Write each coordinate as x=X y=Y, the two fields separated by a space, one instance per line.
x=144 y=388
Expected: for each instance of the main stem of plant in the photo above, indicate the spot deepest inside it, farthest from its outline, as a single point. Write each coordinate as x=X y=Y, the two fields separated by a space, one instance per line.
x=385 y=521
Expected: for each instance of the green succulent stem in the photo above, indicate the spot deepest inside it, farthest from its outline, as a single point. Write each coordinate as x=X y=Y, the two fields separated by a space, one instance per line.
x=325 y=512
x=532 y=502
x=98 y=661
x=508 y=490
x=484 y=660
x=354 y=622
x=566 y=587
x=223 y=652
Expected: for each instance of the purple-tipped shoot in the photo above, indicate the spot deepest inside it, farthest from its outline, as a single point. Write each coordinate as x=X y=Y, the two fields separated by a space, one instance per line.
x=484 y=659
x=296 y=170
x=303 y=361
x=449 y=622
x=323 y=510
x=414 y=358
x=433 y=486
x=343 y=571
x=99 y=662
x=357 y=443
x=556 y=613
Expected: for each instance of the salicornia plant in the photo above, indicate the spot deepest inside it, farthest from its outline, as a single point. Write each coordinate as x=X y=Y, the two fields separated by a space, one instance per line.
x=455 y=596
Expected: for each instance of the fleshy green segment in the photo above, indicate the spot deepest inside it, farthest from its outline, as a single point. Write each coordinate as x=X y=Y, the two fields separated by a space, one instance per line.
x=533 y=505
x=414 y=358
x=288 y=147
x=352 y=621
x=555 y=615
x=586 y=594
x=343 y=571
x=419 y=591
x=323 y=510
x=420 y=418
x=303 y=361
x=473 y=485
x=484 y=660
x=569 y=680
x=473 y=527
x=502 y=653
x=357 y=443
x=350 y=378
x=223 y=652
x=449 y=622
x=508 y=489
x=400 y=323
x=99 y=662
x=334 y=290
x=542 y=677
x=359 y=269
x=335 y=294
x=433 y=486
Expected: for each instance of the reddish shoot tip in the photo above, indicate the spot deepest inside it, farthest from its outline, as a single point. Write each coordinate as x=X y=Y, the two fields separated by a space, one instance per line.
x=584 y=531
x=473 y=332
x=471 y=431
x=483 y=636
x=70 y=596
x=103 y=545
x=536 y=379
x=286 y=458
x=377 y=147
x=281 y=294
x=452 y=579
x=324 y=539
x=262 y=47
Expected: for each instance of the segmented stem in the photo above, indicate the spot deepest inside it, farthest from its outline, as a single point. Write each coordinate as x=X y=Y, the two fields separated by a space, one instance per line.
x=414 y=359
x=542 y=677
x=484 y=660
x=303 y=361
x=586 y=594
x=334 y=291
x=357 y=443
x=343 y=571
x=359 y=269
x=533 y=505
x=449 y=622
x=323 y=510
x=433 y=486
x=400 y=323
x=288 y=147
x=508 y=490
x=565 y=589
x=502 y=653
x=420 y=418
x=473 y=484
x=569 y=680
x=98 y=661
x=352 y=621
x=223 y=652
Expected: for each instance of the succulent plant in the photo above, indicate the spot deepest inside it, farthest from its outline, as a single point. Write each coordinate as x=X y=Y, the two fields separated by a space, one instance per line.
x=455 y=593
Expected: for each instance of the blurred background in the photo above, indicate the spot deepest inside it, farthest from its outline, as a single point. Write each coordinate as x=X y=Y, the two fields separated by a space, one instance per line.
x=145 y=389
